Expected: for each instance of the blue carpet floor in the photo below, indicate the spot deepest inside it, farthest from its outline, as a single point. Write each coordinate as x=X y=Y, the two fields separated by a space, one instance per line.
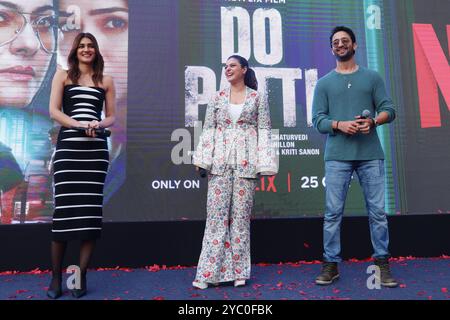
x=419 y=279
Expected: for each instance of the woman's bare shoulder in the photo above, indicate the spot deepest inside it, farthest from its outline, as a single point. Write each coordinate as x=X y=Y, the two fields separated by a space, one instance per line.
x=61 y=75
x=108 y=82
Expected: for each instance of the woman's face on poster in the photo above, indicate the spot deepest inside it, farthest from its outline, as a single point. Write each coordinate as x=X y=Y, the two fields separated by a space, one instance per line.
x=27 y=40
x=108 y=21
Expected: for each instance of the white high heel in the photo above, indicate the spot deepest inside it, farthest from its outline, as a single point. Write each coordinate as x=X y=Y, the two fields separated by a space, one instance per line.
x=239 y=283
x=200 y=285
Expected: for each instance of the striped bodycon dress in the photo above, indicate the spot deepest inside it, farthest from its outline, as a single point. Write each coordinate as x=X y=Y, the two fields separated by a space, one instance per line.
x=80 y=167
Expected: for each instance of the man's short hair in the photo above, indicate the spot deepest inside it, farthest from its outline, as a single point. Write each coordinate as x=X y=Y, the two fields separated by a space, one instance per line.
x=345 y=29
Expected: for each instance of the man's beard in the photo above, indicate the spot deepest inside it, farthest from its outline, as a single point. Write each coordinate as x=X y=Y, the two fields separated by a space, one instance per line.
x=346 y=57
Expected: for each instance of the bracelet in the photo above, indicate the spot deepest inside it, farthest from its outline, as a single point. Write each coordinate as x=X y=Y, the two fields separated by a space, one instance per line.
x=337 y=125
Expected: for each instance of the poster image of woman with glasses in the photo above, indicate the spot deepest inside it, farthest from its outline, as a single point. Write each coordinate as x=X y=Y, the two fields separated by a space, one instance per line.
x=28 y=33
x=27 y=41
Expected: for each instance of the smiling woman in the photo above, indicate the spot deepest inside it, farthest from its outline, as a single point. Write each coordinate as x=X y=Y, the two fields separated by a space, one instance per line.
x=78 y=99
x=108 y=22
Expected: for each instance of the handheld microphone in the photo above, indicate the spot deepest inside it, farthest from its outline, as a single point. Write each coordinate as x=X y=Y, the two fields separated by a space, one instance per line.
x=100 y=131
x=365 y=114
x=202 y=172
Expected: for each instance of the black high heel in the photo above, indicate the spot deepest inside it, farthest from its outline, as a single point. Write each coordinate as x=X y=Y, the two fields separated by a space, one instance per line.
x=78 y=293
x=54 y=293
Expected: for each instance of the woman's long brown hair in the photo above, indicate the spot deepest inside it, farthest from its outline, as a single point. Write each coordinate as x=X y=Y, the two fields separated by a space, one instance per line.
x=98 y=64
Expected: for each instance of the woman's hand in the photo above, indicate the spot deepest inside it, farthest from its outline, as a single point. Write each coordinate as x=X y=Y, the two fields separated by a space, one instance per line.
x=94 y=124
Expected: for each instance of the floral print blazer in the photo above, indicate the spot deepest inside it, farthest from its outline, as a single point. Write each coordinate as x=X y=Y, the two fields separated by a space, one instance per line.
x=245 y=145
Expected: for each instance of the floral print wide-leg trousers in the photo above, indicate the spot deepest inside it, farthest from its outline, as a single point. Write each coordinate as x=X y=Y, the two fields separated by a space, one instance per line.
x=225 y=254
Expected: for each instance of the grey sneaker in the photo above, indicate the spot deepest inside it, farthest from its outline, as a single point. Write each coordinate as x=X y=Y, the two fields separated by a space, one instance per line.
x=385 y=272
x=328 y=274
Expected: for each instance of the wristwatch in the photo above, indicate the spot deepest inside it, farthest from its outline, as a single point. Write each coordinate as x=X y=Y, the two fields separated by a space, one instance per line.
x=375 y=122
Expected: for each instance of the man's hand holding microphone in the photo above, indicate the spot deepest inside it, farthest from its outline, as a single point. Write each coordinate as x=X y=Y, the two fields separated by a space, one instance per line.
x=363 y=123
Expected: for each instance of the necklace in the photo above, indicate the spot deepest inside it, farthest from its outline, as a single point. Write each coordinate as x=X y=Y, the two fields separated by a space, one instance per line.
x=346 y=74
x=347 y=80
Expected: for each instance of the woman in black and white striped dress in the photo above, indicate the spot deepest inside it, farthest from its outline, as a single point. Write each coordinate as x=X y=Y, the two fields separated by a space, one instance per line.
x=81 y=161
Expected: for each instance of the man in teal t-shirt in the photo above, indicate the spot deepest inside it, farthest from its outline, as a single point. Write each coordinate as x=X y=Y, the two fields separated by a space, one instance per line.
x=349 y=103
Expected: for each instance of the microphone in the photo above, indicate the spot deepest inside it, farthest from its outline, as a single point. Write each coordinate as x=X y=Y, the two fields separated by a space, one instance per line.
x=202 y=172
x=365 y=114
x=100 y=131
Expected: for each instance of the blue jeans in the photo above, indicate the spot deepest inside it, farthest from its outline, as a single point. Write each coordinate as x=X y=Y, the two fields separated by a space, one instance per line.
x=338 y=176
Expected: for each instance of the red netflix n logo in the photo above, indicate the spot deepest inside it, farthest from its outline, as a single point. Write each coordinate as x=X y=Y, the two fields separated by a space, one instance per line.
x=432 y=70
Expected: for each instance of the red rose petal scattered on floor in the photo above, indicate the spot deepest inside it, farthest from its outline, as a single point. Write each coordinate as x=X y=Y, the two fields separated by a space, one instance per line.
x=360 y=260
x=293 y=264
x=313 y=262
x=444 y=290
x=178 y=267
x=306 y=245
x=158 y=298
x=21 y=291
x=36 y=271
x=402 y=285
x=336 y=290
x=279 y=284
x=108 y=269
x=280 y=271
x=154 y=268
x=262 y=264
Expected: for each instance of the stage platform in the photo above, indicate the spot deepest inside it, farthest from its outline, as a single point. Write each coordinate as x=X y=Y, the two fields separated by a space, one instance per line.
x=419 y=278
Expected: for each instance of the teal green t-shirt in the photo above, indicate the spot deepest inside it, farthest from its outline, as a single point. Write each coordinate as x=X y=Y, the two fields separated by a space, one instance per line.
x=342 y=97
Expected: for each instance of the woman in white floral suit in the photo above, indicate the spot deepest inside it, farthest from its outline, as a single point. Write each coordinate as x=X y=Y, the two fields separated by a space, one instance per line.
x=235 y=147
